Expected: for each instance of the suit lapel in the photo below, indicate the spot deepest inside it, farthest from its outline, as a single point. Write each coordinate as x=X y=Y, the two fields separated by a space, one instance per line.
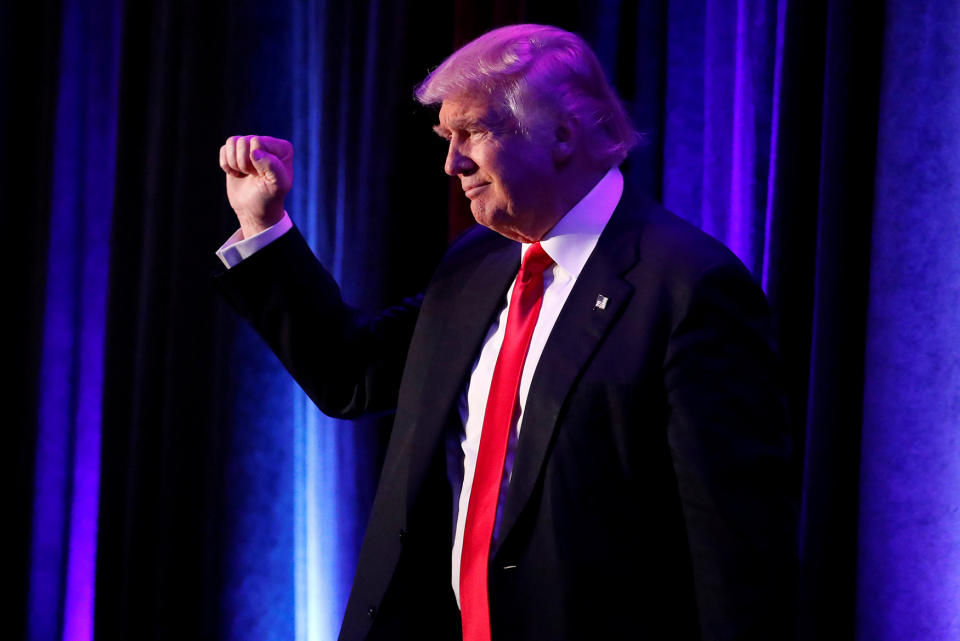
x=455 y=329
x=456 y=325
x=575 y=337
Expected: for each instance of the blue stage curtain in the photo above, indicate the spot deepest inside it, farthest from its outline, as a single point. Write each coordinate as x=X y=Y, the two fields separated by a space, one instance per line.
x=909 y=552
x=320 y=71
x=62 y=570
x=181 y=486
x=227 y=499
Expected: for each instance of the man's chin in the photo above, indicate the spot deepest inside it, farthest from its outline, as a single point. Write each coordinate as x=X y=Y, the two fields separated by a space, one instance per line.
x=485 y=218
x=482 y=216
x=507 y=231
x=498 y=221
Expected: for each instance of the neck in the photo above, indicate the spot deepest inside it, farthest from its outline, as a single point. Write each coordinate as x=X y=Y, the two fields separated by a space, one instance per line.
x=571 y=186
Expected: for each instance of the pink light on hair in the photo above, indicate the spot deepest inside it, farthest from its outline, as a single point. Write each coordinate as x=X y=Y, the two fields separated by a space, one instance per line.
x=536 y=74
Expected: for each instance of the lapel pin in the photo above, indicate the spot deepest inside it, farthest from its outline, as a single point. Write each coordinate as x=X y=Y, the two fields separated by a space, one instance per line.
x=601 y=302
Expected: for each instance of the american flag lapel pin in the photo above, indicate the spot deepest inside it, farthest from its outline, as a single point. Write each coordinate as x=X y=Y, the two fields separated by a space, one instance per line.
x=601 y=302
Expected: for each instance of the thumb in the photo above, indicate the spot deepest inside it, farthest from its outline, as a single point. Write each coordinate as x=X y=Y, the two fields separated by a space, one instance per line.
x=267 y=165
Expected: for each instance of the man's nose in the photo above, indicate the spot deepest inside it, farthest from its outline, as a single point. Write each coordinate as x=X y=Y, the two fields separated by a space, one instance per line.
x=458 y=163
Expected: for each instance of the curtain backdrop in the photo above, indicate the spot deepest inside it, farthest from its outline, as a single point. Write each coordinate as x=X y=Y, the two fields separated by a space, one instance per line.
x=169 y=479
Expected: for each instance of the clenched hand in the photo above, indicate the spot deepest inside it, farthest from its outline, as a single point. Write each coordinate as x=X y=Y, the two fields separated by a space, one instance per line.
x=259 y=173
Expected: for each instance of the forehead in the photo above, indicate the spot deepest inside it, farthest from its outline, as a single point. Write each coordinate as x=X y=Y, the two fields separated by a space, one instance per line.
x=457 y=113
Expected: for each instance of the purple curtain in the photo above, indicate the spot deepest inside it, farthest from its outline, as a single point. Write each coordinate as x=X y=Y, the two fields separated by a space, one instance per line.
x=171 y=482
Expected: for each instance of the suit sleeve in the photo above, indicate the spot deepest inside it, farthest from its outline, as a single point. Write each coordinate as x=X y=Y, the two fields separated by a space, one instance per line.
x=731 y=446
x=347 y=363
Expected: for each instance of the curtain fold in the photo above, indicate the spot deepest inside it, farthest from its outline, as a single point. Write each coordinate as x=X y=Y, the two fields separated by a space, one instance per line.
x=28 y=114
x=165 y=452
x=834 y=410
x=908 y=580
x=67 y=463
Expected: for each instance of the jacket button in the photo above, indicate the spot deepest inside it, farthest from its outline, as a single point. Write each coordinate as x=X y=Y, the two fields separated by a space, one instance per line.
x=402 y=535
x=372 y=611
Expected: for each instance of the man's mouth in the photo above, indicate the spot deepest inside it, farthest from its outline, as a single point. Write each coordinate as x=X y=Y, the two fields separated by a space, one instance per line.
x=473 y=190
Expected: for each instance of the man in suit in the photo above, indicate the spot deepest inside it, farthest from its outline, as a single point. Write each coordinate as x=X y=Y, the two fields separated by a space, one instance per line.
x=594 y=447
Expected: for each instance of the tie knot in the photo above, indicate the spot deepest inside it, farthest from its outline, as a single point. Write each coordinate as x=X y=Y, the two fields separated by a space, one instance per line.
x=535 y=262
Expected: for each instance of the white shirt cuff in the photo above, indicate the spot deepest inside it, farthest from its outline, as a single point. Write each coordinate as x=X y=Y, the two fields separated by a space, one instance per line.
x=237 y=248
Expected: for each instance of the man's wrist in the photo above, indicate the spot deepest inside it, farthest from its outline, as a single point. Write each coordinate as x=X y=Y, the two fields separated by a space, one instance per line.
x=251 y=225
x=241 y=246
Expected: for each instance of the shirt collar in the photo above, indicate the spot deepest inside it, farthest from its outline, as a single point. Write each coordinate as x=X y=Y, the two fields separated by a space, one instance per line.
x=572 y=239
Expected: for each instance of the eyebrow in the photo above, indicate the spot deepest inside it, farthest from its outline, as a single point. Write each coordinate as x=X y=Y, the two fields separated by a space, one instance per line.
x=458 y=123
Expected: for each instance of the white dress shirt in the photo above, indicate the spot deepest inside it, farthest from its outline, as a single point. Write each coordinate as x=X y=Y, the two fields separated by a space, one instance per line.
x=569 y=244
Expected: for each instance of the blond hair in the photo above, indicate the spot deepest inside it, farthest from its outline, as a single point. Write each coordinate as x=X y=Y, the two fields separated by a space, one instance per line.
x=535 y=73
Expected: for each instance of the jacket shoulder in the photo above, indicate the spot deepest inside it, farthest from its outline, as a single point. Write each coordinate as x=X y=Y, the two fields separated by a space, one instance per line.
x=680 y=249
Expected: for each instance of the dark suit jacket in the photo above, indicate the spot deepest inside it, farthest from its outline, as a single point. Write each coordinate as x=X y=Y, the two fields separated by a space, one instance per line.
x=650 y=493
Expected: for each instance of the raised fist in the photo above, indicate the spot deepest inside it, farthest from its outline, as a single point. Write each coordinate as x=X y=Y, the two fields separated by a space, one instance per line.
x=259 y=173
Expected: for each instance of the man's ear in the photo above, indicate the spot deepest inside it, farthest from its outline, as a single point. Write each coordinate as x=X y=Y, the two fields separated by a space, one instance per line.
x=566 y=139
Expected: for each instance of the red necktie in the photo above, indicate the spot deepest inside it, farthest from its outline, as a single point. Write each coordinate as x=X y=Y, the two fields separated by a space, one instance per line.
x=501 y=407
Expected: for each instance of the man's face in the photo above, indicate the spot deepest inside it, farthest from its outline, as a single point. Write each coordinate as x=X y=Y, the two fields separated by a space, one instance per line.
x=507 y=176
